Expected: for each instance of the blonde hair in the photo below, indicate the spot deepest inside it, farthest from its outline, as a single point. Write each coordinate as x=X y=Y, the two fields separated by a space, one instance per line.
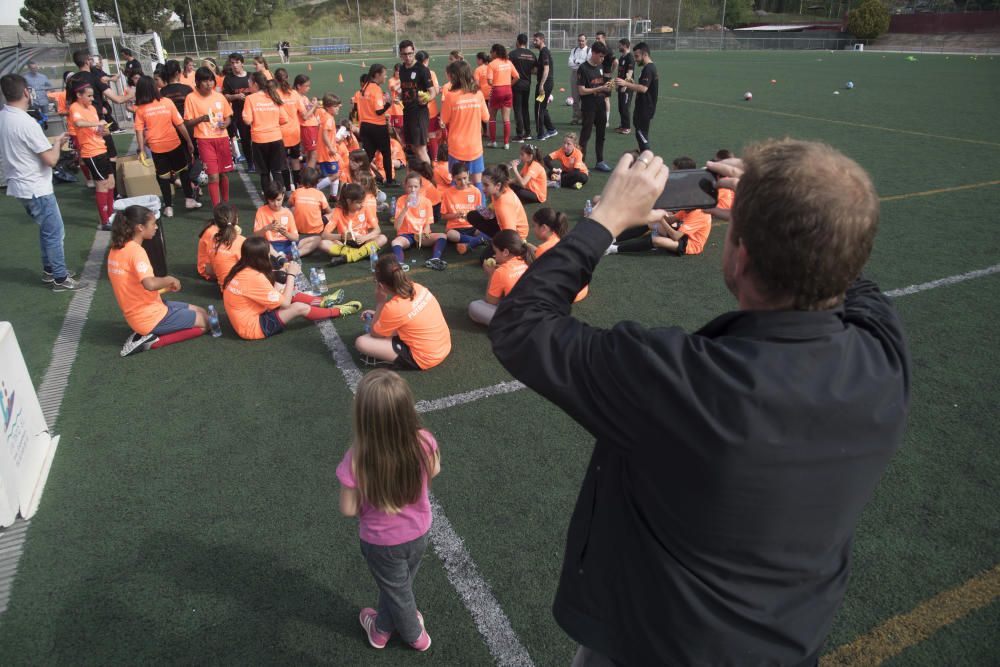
x=390 y=462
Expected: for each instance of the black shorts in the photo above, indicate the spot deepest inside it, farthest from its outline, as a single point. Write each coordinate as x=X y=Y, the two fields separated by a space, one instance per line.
x=404 y=358
x=415 y=124
x=270 y=323
x=171 y=161
x=270 y=156
x=294 y=152
x=100 y=166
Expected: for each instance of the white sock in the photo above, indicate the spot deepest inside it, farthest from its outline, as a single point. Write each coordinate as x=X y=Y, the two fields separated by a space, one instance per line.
x=612 y=250
x=323 y=184
x=335 y=187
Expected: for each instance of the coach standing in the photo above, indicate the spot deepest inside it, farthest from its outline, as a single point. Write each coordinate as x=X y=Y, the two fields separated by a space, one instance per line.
x=524 y=62
x=626 y=66
x=579 y=55
x=543 y=89
x=715 y=523
x=417 y=90
x=28 y=158
x=647 y=89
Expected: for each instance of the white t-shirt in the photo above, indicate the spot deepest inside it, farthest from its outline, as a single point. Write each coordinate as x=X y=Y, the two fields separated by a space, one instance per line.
x=21 y=140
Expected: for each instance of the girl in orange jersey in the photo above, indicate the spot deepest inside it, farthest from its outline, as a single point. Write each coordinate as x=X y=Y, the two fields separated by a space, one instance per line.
x=261 y=63
x=227 y=242
x=187 y=73
x=528 y=179
x=428 y=188
x=327 y=155
x=457 y=201
x=501 y=74
x=275 y=222
x=260 y=304
x=264 y=112
x=464 y=112
x=396 y=97
x=566 y=166
x=309 y=117
x=481 y=77
x=442 y=173
x=505 y=210
x=213 y=67
x=413 y=217
x=156 y=323
x=291 y=132
x=373 y=105
x=208 y=113
x=407 y=325
x=311 y=212
x=511 y=257
x=550 y=226
x=90 y=132
x=206 y=248
x=155 y=122
x=353 y=232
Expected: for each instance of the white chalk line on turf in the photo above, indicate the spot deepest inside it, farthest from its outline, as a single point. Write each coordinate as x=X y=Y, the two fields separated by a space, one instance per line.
x=943 y=282
x=341 y=355
x=469 y=396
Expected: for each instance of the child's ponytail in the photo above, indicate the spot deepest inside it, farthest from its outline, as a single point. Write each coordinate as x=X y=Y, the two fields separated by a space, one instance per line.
x=225 y=217
x=553 y=219
x=509 y=240
x=390 y=274
x=123 y=228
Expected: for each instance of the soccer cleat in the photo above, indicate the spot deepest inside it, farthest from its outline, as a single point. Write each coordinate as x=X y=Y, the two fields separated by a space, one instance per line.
x=337 y=261
x=424 y=640
x=555 y=184
x=603 y=166
x=349 y=308
x=376 y=638
x=191 y=203
x=578 y=186
x=333 y=299
x=68 y=284
x=506 y=147
x=436 y=263
x=550 y=134
x=138 y=343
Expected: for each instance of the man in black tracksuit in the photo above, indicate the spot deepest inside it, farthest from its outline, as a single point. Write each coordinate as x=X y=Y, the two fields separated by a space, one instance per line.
x=543 y=89
x=647 y=88
x=626 y=66
x=524 y=62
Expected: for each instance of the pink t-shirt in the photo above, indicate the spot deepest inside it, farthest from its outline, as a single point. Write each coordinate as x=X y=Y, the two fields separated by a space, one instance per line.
x=378 y=527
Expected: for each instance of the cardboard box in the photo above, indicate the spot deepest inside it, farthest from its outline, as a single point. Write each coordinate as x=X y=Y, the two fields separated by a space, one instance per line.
x=136 y=178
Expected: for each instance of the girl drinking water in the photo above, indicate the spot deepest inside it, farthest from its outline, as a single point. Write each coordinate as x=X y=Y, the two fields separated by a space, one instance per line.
x=413 y=217
x=511 y=257
x=457 y=201
x=210 y=113
x=528 y=179
x=384 y=479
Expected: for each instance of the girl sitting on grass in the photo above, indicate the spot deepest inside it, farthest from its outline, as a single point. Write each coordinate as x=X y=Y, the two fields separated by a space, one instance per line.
x=413 y=217
x=511 y=257
x=550 y=226
x=528 y=180
x=227 y=242
x=311 y=211
x=566 y=166
x=275 y=222
x=457 y=201
x=505 y=210
x=353 y=232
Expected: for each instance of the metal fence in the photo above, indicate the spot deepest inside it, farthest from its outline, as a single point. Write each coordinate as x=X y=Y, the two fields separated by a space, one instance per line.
x=248 y=47
x=325 y=45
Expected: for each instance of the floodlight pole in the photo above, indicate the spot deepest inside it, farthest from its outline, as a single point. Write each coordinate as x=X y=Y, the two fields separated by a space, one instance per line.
x=722 y=42
x=395 y=28
x=361 y=39
x=459 y=25
x=677 y=37
x=88 y=26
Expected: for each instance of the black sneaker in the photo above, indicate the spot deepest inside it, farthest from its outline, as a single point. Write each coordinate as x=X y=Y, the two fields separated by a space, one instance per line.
x=48 y=278
x=337 y=260
x=137 y=343
x=104 y=228
x=391 y=183
x=436 y=263
x=68 y=285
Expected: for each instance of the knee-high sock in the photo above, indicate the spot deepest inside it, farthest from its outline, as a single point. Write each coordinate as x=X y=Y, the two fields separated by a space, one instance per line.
x=299 y=297
x=439 y=247
x=224 y=187
x=323 y=183
x=506 y=131
x=213 y=192
x=286 y=178
x=432 y=148
x=398 y=252
x=493 y=130
x=105 y=202
x=322 y=313
x=295 y=176
x=177 y=337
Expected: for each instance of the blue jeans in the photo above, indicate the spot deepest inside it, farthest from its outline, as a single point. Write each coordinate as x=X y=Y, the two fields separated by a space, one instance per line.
x=45 y=211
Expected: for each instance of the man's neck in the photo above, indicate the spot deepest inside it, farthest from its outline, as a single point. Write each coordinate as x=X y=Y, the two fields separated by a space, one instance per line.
x=21 y=104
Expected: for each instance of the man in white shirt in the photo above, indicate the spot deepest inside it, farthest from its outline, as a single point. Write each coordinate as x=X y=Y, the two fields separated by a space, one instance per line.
x=579 y=55
x=27 y=158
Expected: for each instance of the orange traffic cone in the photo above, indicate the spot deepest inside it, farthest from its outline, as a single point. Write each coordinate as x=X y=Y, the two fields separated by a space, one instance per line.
x=340 y=78
x=310 y=67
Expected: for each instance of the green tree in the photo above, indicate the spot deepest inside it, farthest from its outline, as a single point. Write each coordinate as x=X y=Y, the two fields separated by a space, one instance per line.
x=218 y=15
x=869 y=20
x=137 y=16
x=738 y=12
x=50 y=17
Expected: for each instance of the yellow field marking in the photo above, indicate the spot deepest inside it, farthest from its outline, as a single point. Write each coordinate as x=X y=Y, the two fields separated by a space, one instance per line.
x=938 y=191
x=788 y=114
x=901 y=632
x=359 y=281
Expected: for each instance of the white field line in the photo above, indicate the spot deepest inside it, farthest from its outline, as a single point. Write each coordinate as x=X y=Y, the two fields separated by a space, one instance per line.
x=469 y=396
x=943 y=282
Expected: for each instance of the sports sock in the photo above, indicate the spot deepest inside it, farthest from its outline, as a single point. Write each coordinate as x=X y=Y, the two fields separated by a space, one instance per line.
x=299 y=297
x=467 y=239
x=493 y=130
x=224 y=187
x=506 y=132
x=286 y=178
x=105 y=202
x=324 y=183
x=477 y=240
x=322 y=313
x=213 y=192
x=439 y=247
x=432 y=148
x=335 y=187
x=356 y=254
x=641 y=244
x=295 y=176
x=337 y=249
x=177 y=337
x=398 y=252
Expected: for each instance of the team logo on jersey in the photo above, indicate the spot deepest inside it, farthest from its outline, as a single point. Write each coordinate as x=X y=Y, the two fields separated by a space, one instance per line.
x=142 y=267
x=218 y=105
x=284 y=219
x=361 y=217
x=422 y=213
x=472 y=199
x=413 y=75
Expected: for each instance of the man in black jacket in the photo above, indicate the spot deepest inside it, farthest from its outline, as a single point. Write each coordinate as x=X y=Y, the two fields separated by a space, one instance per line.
x=524 y=62
x=716 y=517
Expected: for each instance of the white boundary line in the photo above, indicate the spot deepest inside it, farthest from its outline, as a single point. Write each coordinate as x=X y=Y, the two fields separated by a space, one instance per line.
x=469 y=396
x=943 y=282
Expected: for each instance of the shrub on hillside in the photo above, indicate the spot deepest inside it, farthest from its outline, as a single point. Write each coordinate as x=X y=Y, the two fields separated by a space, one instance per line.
x=869 y=20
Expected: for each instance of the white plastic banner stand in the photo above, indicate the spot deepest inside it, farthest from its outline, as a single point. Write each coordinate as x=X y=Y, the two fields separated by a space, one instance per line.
x=859 y=47
x=26 y=446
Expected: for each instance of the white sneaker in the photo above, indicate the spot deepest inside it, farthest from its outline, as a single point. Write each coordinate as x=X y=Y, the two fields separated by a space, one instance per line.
x=506 y=147
x=137 y=343
x=168 y=212
x=612 y=250
x=491 y=144
x=190 y=203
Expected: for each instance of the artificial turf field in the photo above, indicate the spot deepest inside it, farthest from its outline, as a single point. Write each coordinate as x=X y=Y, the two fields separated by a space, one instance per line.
x=191 y=512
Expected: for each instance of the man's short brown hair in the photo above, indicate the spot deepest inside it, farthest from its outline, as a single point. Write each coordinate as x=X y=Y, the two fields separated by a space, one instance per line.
x=808 y=216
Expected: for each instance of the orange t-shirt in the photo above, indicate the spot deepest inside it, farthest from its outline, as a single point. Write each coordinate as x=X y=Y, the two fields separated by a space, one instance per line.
x=224 y=259
x=304 y=105
x=429 y=190
x=248 y=295
x=510 y=213
x=291 y=132
x=501 y=72
x=188 y=80
x=215 y=106
x=432 y=105
x=158 y=120
x=726 y=197
x=351 y=226
x=344 y=158
x=536 y=180
x=264 y=117
x=419 y=323
x=506 y=276
x=442 y=177
x=266 y=215
x=218 y=83
x=463 y=114
x=127 y=267
x=308 y=205
x=88 y=140
x=697 y=225
x=60 y=97
x=371 y=99
x=544 y=247
x=458 y=201
x=266 y=72
x=328 y=128
x=397 y=104
x=206 y=248
x=481 y=75
x=572 y=161
x=416 y=218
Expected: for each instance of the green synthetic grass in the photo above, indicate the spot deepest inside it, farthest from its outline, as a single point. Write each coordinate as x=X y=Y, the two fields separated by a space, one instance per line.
x=191 y=514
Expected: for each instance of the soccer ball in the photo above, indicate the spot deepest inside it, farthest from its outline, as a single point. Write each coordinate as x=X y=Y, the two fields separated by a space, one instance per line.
x=569 y=101
x=748 y=96
x=850 y=84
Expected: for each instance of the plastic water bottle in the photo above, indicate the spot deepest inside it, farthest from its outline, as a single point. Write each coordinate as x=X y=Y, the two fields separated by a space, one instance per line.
x=300 y=283
x=213 y=321
x=412 y=200
x=296 y=257
x=392 y=206
x=373 y=259
x=588 y=208
x=367 y=319
x=314 y=279
x=321 y=274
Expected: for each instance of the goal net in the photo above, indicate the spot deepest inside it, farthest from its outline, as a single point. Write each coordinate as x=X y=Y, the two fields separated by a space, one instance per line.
x=561 y=33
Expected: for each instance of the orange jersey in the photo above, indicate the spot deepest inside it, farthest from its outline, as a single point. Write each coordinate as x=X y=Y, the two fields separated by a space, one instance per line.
x=248 y=295
x=328 y=129
x=417 y=217
x=264 y=117
x=158 y=121
x=266 y=215
x=127 y=267
x=463 y=114
x=697 y=225
x=215 y=106
x=510 y=213
x=500 y=72
x=419 y=323
x=505 y=277
x=206 y=248
x=429 y=190
x=572 y=161
x=442 y=177
x=308 y=205
x=481 y=75
x=218 y=83
x=344 y=158
x=535 y=179
x=370 y=207
x=544 y=247
x=266 y=72
x=188 y=80
x=352 y=226
x=291 y=133
x=726 y=197
x=458 y=201
x=394 y=95
x=88 y=139
x=60 y=97
x=432 y=105
x=371 y=100
x=224 y=259
x=305 y=106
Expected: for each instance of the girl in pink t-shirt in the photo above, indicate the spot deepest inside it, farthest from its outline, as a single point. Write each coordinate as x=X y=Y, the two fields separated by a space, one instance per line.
x=384 y=478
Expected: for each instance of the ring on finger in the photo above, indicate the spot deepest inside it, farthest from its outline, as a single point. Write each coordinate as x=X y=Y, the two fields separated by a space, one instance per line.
x=645 y=161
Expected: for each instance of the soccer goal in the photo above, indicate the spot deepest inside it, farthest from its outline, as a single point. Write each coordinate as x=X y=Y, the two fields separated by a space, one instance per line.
x=561 y=33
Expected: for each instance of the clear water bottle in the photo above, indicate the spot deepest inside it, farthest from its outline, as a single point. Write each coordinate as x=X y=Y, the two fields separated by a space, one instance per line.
x=392 y=206
x=588 y=208
x=367 y=319
x=413 y=199
x=296 y=257
x=373 y=259
x=321 y=275
x=314 y=279
x=300 y=283
x=213 y=321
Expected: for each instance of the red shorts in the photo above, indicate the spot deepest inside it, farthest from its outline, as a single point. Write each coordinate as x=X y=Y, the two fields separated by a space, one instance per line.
x=502 y=97
x=216 y=154
x=396 y=122
x=434 y=125
x=310 y=137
